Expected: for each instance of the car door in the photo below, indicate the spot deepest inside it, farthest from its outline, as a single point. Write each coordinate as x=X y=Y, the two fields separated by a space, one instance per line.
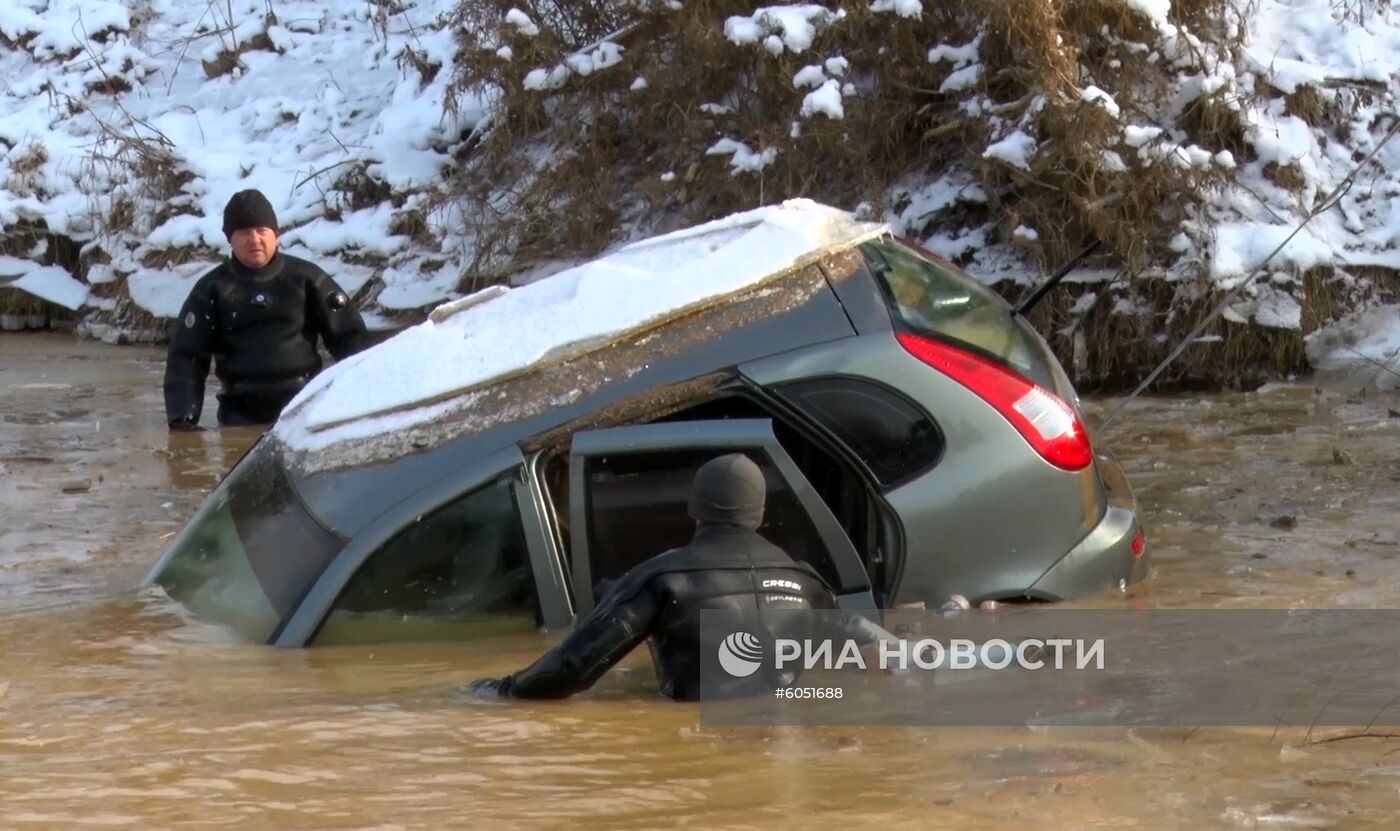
x=461 y=555
x=629 y=489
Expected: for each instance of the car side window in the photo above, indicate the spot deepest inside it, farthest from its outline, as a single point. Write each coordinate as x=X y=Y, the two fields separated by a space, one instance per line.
x=462 y=570
x=933 y=299
x=893 y=436
x=637 y=507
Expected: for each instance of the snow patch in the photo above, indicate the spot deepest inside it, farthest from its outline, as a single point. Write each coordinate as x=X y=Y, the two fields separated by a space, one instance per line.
x=46 y=282
x=1306 y=42
x=963 y=55
x=336 y=99
x=826 y=100
x=1015 y=150
x=961 y=79
x=522 y=23
x=1241 y=247
x=742 y=158
x=1154 y=10
x=790 y=27
x=1278 y=310
x=1094 y=95
x=927 y=200
x=1361 y=343
x=1135 y=135
x=413 y=289
x=913 y=9
x=162 y=293
x=635 y=287
x=809 y=76
x=967 y=71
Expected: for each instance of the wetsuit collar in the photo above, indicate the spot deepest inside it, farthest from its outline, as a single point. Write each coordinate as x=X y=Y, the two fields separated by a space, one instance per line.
x=708 y=530
x=272 y=269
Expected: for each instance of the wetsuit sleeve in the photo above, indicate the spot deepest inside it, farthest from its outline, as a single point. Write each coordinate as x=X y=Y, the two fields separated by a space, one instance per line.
x=193 y=341
x=620 y=622
x=337 y=320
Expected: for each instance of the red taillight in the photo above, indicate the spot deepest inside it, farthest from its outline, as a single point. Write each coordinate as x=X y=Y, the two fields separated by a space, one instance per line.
x=1048 y=424
x=1139 y=543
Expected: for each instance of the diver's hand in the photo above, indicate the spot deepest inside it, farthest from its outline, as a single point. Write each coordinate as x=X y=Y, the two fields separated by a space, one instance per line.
x=490 y=687
x=185 y=425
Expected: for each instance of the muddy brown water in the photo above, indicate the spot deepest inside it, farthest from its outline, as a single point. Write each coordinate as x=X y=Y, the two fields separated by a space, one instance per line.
x=117 y=710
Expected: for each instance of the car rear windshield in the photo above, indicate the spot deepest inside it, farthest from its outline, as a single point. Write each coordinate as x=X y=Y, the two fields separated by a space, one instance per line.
x=931 y=298
x=250 y=552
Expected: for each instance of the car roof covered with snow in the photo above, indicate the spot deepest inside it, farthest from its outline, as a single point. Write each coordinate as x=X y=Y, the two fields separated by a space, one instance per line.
x=487 y=358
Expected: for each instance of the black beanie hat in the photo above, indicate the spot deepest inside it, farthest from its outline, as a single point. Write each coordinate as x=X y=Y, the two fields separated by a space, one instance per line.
x=248 y=209
x=729 y=490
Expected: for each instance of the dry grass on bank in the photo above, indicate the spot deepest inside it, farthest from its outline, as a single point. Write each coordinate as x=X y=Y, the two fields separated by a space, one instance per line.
x=565 y=170
x=610 y=145
x=140 y=178
x=1105 y=350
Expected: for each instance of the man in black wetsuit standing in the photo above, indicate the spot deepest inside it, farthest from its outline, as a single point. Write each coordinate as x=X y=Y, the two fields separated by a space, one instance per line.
x=257 y=316
x=726 y=566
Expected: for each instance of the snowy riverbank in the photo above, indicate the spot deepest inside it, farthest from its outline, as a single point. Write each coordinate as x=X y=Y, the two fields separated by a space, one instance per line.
x=124 y=126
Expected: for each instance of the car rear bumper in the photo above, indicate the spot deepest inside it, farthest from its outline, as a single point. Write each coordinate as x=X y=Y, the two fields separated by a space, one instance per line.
x=1104 y=559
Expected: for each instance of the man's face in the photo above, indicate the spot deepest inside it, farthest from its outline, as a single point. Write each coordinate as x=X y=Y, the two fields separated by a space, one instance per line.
x=254 y=247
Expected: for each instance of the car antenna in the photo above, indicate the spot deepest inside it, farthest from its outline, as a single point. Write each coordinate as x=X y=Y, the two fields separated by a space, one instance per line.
x=1035 y=296
x=1332 y=200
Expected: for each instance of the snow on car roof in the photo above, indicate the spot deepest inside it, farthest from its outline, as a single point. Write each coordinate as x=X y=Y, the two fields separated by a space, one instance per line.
x=497 y=334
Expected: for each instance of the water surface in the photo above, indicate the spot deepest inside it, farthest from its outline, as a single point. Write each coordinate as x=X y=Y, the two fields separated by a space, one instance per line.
x=116 y=710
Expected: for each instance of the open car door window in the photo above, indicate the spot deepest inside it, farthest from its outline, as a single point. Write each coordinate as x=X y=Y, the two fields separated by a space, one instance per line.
x=465 y=555
x=629 y=488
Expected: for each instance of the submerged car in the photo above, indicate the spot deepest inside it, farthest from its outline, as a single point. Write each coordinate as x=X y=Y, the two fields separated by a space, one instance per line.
x=491 y=467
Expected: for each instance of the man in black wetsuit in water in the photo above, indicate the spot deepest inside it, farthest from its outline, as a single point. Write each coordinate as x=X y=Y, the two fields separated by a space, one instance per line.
x=726 y=566
x=257 y=316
